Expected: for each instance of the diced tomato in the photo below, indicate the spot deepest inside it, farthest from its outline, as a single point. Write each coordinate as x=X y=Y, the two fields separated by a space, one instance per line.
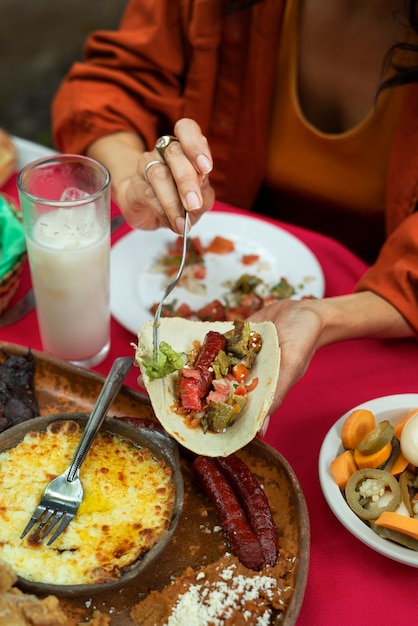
x=220 y=245
x=199 y=271
x=240 y=391
x=175 y=249
x=197 y=244
x=212 y=312
x=190 y=394
x=237 y=312
x=240 y=371
x=184 y=311
x=172 y=270
x=249 y=259
x=252 y=385
x=166 y=311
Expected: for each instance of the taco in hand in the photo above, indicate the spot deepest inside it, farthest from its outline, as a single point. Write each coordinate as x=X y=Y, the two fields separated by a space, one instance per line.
x=211 y=383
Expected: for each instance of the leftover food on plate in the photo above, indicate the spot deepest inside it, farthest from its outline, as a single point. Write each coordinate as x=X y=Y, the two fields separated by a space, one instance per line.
x=211 y=384
x=127 y=507
x=377 y=473
x=241 y=263
x=240 y=298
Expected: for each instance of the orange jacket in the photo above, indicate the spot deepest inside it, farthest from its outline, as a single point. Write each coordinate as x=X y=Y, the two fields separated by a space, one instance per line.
x=188 y=59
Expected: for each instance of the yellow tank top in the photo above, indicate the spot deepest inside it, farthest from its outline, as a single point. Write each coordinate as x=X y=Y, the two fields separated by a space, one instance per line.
x=346 y=170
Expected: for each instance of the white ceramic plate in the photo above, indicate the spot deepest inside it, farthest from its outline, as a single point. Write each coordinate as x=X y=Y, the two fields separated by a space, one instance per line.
x=134 y=288
x=391 y=408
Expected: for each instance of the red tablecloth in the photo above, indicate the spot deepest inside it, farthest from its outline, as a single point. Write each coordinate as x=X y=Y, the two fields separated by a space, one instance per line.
x=349 y=584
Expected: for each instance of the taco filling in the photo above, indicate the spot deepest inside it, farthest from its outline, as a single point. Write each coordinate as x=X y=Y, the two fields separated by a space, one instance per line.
x=214 y=382
x=213 y=385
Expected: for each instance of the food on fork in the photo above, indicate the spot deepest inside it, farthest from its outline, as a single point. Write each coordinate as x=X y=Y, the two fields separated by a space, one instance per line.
x=211 y=384
x=8 y=157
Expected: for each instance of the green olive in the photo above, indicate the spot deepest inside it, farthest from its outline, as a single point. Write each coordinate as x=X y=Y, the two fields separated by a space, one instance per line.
x=363 y=504
x=376 y=438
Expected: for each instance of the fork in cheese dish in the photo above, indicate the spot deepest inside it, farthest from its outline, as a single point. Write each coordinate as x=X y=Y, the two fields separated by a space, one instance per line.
x=127 y=507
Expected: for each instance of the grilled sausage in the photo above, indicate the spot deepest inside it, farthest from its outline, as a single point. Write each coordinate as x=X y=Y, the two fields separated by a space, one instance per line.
x=193 y=389
x=238 y=533
x=255 y=504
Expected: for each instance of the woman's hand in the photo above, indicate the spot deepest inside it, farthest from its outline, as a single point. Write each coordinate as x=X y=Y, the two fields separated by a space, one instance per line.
x=299 y=327
x=160 y=195
x=303 y=326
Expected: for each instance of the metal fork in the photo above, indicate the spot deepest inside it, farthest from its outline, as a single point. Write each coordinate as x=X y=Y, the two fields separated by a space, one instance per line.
x=64 y=494
x=169 y=289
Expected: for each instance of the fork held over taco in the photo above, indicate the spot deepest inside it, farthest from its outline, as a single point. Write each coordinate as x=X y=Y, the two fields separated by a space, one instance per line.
x=212 y=383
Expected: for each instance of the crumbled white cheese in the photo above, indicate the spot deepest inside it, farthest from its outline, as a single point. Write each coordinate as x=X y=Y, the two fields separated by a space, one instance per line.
x=209 y=603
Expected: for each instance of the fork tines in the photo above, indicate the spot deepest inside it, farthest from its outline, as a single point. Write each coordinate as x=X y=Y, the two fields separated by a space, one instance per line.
x=48 y=520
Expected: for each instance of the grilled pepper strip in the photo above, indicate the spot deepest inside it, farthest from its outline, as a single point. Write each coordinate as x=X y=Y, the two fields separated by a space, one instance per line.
x=365 y=488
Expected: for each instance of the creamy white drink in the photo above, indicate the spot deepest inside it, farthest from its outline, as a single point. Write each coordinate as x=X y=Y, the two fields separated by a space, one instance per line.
x=69 y=260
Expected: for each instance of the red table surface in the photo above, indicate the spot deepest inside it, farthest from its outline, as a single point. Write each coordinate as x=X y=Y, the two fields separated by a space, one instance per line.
x=349 y=583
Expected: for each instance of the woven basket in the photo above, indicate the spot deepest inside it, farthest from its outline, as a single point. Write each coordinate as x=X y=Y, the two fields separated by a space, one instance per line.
x=10 y=281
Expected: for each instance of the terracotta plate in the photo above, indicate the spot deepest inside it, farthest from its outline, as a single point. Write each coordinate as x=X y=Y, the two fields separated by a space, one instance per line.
x=65 y=388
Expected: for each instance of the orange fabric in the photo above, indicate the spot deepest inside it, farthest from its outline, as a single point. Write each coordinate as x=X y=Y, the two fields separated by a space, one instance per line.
x=185 y=58
x=347 y=170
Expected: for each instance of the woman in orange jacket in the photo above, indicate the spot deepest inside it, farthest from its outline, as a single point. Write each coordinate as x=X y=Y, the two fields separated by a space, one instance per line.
x=314 y=103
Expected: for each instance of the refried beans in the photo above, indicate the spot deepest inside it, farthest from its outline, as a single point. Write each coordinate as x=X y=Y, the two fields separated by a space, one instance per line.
x=224 y=593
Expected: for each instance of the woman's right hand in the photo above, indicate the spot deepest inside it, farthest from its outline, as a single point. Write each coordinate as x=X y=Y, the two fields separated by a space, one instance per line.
x=159 y=196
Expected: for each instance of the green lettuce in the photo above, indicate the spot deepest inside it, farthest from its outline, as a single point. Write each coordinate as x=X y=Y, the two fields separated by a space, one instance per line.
x=165 y=362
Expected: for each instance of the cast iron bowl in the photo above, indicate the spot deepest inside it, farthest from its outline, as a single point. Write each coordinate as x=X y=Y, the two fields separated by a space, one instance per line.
x=161 y=447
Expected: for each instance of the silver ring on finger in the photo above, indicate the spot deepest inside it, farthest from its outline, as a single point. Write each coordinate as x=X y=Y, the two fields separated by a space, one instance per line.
x=150 y=165
x=162 y=144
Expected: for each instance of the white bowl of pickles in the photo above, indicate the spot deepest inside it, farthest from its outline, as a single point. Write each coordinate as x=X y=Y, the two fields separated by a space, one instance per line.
x=369 y=474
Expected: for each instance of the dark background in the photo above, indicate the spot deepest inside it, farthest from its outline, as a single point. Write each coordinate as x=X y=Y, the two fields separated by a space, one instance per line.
x=39 y=40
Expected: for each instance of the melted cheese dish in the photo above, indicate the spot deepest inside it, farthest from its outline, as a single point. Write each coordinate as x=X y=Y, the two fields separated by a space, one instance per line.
x=127 y=506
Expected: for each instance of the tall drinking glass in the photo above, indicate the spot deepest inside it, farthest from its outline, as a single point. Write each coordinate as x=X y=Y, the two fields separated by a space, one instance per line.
x=65 y=201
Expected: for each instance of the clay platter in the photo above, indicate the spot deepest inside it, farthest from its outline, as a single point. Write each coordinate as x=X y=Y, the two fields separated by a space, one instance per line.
x=64 y=388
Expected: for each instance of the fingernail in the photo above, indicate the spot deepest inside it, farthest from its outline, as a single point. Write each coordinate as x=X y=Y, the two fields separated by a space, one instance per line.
x=180 y=224
x=265 y=426
x=203 y=164
x=193 y=201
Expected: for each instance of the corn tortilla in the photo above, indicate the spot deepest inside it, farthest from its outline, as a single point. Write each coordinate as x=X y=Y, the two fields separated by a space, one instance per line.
x=180 y=335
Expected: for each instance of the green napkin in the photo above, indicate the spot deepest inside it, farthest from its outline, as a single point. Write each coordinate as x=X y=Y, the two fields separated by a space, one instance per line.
x=12 y=237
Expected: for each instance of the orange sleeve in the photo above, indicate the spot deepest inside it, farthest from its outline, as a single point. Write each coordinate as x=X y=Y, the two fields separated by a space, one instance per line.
x=394 y=276
x=131 y=79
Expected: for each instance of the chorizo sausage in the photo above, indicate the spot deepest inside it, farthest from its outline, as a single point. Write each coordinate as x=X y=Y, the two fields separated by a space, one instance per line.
x=254 y=502
x=193 y=389
x=238 y=533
